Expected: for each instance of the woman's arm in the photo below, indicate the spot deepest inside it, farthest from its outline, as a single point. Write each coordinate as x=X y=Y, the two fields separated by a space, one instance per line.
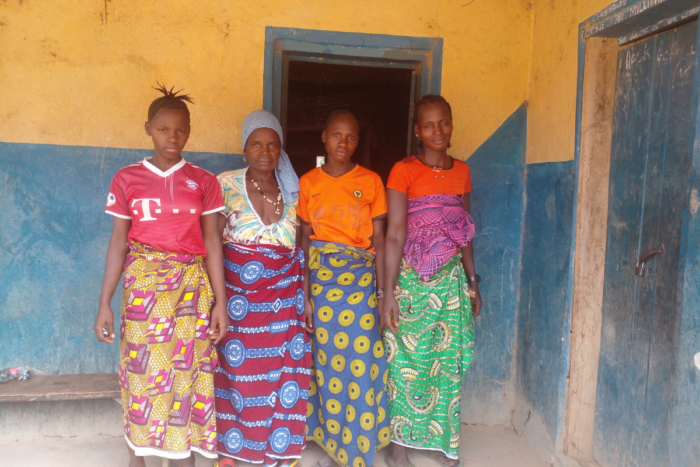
x=305 y=239
x=222 y=223
x=211 y=234
x=393 y=251
x=116 y=255
x=470 y=269
x=378 y=233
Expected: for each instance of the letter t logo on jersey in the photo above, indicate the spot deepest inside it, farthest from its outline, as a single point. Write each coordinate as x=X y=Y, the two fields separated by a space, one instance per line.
x=145 y=206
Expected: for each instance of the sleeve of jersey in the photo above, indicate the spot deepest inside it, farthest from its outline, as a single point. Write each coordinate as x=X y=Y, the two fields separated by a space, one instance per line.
x=213 y=199
x=398 y=178
x=378 y=208
x=468 y=181
x=303 y=204
x=117 y=204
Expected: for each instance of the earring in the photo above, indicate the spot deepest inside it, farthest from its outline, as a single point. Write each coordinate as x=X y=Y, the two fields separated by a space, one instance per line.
x=244 y=158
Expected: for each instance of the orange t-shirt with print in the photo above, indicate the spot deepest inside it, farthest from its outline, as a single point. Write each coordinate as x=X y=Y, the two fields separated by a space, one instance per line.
x=341 y=210
x=413 y=177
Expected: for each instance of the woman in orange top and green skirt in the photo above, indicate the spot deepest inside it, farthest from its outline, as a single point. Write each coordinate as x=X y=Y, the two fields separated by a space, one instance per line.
x=342 y=207
x=427 y=319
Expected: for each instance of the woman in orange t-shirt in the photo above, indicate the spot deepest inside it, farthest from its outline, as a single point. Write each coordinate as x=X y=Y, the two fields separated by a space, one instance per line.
x=427 y=319
x=342 y=207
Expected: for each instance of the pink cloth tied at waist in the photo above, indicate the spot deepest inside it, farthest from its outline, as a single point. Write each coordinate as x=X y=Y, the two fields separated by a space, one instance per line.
x=437 y=226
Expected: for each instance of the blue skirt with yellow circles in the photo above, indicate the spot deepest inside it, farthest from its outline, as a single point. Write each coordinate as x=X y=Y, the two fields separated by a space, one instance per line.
x=347 y=413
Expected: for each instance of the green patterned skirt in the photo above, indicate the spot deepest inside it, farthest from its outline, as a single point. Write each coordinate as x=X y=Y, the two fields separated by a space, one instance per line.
x=428 y=357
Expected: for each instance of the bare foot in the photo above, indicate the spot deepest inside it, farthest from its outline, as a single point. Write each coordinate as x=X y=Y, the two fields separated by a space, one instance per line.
x=134 y=460
x=443 y=459
x=327 y=462
x=187 y=462
x=440 y=458
x=398 y=456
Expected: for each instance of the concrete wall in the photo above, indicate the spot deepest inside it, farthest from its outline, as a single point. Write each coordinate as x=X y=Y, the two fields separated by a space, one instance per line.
x=544 y=307
x=498 y=202
x=75 y=87
x=69 y=77
x=552 y=83
x=54 y=234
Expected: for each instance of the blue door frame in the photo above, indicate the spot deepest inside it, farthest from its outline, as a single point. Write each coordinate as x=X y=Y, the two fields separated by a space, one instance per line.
x=423 y=55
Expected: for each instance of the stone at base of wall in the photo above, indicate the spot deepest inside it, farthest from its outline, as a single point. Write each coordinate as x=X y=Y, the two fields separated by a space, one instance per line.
x=30 y=420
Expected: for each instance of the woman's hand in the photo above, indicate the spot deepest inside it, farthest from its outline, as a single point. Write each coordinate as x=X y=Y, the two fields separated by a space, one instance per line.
x=388 y=314
x=105 y=317
x=475 y=296
x=219 y=323
x=309 y=316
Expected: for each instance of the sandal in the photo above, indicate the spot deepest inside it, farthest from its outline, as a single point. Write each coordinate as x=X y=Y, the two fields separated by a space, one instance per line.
x=436 y=456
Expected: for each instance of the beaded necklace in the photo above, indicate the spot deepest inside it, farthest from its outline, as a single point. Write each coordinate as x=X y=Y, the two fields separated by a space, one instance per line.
x=279 y=195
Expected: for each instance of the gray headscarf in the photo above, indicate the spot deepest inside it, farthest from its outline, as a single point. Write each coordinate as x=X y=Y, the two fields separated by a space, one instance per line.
x=286 y=177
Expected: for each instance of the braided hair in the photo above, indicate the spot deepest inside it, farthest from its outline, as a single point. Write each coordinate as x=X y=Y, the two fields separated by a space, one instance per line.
x=337 y=113
x=169 y=101
x=429 y=99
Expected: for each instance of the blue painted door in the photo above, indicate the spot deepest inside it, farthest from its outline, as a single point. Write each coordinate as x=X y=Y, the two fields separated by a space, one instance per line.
x=650 y=160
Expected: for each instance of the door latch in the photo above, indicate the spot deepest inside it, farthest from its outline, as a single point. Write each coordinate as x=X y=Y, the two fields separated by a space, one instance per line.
x=640 y=270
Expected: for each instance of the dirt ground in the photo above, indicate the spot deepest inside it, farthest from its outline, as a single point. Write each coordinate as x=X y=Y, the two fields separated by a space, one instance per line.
x=481 y=446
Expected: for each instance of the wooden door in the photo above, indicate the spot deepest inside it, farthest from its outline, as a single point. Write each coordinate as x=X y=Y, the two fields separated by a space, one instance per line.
x=650 y=159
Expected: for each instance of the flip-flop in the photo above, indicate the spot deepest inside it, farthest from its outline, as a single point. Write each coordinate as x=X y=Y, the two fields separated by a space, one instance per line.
x=389 y=464
x=225 y=462
x=434 y=456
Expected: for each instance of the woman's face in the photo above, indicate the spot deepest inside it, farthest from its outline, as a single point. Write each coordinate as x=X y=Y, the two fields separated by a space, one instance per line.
x=170 y=130
x=434 y=126
x=263 y=149
x=341 y=137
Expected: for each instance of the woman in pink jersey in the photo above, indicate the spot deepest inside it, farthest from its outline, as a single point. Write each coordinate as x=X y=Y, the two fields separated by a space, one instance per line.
x=165 y=239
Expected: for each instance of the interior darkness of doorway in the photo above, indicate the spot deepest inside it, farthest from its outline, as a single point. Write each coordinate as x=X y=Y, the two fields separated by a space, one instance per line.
x=379 y=97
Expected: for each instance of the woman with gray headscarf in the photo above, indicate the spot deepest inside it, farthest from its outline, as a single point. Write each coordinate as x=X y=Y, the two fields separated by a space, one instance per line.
x=262 y=381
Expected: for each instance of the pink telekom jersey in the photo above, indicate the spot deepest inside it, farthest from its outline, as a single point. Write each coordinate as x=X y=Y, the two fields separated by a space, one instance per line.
x=165 y=207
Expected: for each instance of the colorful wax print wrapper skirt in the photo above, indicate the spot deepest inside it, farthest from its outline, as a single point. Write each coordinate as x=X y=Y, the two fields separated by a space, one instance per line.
x=262 y=383
x=167 y=360
x=428 y=358
x=347 y=413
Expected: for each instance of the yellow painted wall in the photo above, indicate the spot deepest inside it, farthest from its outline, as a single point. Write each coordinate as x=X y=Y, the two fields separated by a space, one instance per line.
x=66 y=78
x=552 y=90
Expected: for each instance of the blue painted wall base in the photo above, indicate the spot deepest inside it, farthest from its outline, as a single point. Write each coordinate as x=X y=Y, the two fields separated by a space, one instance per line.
x=545 y=291
x=54 y=235
x=497 y=206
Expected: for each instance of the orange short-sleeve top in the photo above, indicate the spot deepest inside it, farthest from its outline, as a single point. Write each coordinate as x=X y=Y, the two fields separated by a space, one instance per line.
x=413 y=177
x=342 y=209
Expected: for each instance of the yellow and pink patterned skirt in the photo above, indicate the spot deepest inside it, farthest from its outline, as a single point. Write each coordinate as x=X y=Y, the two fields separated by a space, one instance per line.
x=167 y=361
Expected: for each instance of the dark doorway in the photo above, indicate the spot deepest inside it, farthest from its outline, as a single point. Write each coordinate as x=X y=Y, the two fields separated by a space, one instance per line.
x=379 y=97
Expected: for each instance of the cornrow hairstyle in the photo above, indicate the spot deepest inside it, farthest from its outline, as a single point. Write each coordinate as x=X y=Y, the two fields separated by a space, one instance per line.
x=337 y=113
x=429 y=99
x=169 y=101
